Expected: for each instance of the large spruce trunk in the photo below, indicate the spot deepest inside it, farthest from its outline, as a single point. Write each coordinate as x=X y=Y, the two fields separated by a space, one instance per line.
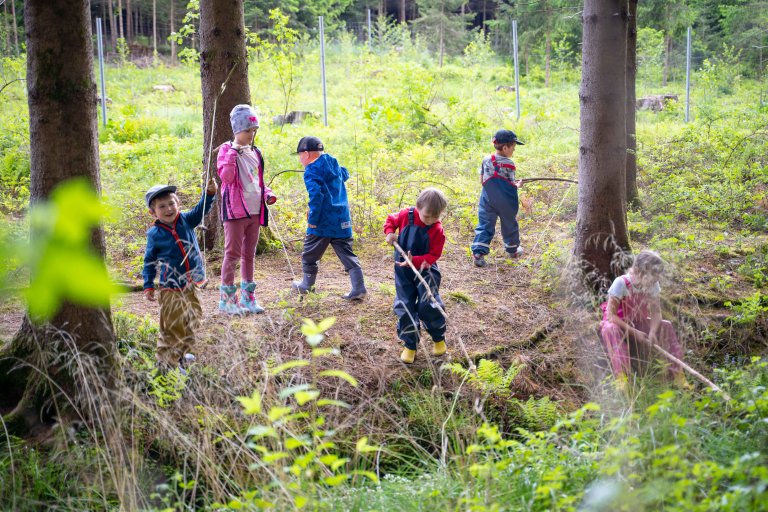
x=45 y=362
x=222 y=48
x=601 y=231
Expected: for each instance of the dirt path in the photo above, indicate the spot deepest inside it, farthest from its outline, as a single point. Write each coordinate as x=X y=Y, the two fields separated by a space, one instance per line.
x=491 y=309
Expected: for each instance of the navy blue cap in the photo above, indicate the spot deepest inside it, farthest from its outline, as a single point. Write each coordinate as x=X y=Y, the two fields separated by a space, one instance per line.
x=309 y=144
x=506 y=137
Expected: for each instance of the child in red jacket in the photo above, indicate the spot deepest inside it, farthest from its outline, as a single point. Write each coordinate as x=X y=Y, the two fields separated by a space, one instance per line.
x=422 y=237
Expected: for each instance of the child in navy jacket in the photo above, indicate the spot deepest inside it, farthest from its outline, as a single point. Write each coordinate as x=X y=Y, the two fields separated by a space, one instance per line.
x=172 y=250
x=422 y=237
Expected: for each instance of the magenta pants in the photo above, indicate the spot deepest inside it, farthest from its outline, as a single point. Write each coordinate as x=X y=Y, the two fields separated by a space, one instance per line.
x=240 y=239
x=616 y=343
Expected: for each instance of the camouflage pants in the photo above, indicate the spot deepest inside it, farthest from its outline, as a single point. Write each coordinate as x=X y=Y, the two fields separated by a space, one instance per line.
x=180 y=313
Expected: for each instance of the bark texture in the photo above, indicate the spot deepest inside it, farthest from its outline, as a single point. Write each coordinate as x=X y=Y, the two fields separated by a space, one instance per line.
x=45 y=362
x=601 y=231
x=222 y=48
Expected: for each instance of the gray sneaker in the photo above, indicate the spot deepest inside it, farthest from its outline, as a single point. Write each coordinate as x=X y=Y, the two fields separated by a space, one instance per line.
x=515 y=252
x=479 y=260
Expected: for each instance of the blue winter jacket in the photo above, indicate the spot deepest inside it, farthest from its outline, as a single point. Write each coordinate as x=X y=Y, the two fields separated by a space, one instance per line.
x=174 y=250
x=328 y=205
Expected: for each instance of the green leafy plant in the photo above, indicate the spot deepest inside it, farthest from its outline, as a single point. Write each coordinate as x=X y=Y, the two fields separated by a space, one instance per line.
x=297 y=450
x=490 y=378
x=283 y=49
x=62 y=263
x=188 y=54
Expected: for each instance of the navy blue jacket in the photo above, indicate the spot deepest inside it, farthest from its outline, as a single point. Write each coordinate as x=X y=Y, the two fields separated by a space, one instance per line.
x=174 y=250
x=328 y=204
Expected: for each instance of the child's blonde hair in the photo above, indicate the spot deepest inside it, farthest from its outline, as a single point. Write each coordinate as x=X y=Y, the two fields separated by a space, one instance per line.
x=648 y=262
x=431 y=200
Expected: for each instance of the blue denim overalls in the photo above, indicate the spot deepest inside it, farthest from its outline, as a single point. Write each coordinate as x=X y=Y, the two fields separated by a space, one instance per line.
x=412 y=303
x=497 y=200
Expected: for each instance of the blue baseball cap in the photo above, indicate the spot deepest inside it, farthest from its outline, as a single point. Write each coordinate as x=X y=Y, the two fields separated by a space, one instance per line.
x=506 y=137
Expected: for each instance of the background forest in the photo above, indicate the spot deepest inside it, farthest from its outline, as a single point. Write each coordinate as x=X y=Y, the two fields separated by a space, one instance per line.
x=306 y=406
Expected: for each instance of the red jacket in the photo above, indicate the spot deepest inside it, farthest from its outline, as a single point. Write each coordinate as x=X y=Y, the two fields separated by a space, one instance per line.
x=397 y=221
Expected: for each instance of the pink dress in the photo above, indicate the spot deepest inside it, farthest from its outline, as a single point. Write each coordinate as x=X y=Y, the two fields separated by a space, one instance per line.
x=634 y=309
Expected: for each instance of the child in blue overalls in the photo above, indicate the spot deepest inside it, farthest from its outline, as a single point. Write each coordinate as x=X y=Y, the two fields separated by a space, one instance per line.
x=422 y=237
x=498 y=199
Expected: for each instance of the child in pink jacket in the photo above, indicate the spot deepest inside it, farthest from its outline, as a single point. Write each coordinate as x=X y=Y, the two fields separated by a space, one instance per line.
x=244 y=200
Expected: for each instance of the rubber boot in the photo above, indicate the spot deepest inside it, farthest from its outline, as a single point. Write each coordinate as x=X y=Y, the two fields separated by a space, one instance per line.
x=407 y=355
x=228 y=300
x=248 y=300
x=306 y=285
x=438 y=348
x=358 y=291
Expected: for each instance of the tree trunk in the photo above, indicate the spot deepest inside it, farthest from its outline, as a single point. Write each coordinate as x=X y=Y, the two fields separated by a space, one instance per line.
x=73 y=357
x=120 y=21
x=15 y=28
x=7 y=27
x=154 y=27
x=631 y=172
x=128 y=21
x=112 y=27
x=601 y=230
x=173 y=29
x=442 y=46
x=548 y=45
x=667 y=52
x=222 y=47
x=402 y=11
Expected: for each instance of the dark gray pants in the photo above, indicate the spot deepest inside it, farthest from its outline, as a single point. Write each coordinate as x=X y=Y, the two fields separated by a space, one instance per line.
x=315 y=246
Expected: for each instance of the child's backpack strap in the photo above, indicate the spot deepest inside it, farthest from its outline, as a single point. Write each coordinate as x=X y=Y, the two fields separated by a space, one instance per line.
x=497 y=166
x=410 y=215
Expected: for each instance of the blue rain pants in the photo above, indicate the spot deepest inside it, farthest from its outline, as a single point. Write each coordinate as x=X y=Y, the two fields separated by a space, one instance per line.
x=412 y=304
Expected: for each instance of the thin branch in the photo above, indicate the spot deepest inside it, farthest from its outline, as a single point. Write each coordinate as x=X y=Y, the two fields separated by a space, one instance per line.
x=6 y=84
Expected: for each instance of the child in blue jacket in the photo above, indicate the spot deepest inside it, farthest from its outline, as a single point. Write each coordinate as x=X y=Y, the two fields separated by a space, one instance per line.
x=172 y=250
x=498 y=200
x=328 y=220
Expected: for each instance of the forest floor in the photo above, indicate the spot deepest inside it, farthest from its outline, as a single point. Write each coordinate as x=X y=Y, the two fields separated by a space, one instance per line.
x=499 y=312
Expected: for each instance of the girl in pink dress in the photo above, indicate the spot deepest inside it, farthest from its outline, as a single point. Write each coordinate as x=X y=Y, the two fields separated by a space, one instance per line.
x=633 y=315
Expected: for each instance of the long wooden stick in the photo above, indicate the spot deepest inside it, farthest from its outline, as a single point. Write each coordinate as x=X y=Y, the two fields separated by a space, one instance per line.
x=528 y=180
x=688 y=369
x=435 y=302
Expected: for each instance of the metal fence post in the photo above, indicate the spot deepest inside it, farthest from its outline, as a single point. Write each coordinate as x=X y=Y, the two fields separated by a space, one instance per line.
x=100 y=44
x=370 y=32
x=517 y=68
x=322 y=71
x=688 y=78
